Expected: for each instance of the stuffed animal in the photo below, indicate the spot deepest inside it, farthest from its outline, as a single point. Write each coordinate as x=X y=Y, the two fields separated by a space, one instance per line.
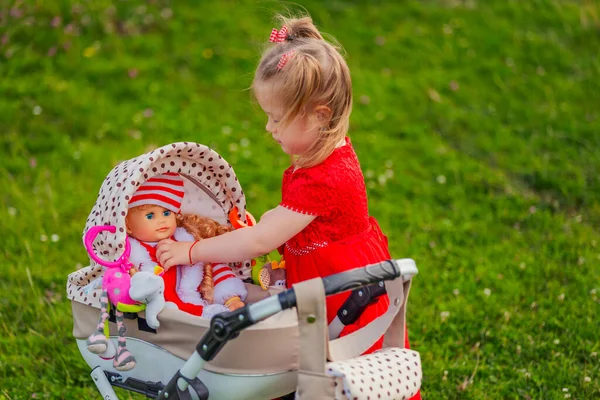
x=268 y=273
x=149 y=289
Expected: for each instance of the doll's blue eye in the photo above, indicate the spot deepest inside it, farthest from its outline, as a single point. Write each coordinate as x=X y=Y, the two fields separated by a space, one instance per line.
x=166 y=213
x=149 y=215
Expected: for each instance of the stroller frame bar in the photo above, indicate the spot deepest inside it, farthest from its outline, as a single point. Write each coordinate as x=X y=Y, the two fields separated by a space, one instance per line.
x=103 y=384
x=105 y=380
x=227 y=325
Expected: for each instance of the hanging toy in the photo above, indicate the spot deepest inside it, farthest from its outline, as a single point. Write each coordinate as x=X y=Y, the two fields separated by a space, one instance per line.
x=128 y=290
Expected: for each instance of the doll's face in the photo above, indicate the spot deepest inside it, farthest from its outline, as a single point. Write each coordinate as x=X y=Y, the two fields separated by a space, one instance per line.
x=150 y=223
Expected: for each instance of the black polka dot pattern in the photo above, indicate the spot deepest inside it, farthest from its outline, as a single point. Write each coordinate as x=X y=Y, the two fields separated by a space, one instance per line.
x=196 y=162
x=77 y=281
x=391 y=373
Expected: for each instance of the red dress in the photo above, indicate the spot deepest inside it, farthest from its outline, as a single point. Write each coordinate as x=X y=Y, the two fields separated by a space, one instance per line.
x=342 y=236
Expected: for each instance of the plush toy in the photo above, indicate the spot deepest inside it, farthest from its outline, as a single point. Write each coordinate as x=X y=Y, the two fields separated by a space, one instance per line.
x=128 y=291
x=149 y=289
x=268 y=273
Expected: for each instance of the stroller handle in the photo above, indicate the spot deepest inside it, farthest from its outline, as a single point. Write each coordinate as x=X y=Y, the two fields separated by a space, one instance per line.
x=384 y=271
x=355 y=278
x=227 y=325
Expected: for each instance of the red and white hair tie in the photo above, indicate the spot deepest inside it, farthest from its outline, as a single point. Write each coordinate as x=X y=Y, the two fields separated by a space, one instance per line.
x=285 y=57
x=278 y=36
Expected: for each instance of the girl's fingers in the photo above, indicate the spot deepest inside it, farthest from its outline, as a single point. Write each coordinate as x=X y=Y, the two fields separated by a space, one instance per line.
x=163 y=244
x=163 y=247
x=165 y=261
x=163 y=255
x=166 y=253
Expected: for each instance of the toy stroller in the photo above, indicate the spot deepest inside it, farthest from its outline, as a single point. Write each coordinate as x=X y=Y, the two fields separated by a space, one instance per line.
x=280 y=341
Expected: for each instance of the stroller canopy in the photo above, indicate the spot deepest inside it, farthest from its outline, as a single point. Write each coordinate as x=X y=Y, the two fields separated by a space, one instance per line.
x=210 y=185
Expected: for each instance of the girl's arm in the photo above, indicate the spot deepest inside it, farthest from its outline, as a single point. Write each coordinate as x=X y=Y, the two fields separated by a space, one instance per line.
x=274 y=229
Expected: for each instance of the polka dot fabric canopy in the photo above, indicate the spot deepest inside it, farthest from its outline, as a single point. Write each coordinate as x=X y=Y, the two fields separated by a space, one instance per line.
x=210 y=185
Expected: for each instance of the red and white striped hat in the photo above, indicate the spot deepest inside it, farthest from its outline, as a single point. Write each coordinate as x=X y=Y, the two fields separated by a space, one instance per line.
x=164 y=190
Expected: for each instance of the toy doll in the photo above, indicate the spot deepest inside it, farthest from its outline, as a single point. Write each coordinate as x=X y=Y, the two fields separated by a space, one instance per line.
x=201 y=289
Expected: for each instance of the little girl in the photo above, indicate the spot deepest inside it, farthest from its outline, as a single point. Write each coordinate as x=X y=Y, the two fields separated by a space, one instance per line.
x=154 y=215
x=303 y=85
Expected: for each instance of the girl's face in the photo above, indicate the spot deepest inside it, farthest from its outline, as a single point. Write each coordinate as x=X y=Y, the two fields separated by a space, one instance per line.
x=150 y=223
x=295 y=138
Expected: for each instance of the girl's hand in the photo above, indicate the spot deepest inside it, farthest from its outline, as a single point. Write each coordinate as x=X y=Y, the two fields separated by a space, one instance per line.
x=170 y=253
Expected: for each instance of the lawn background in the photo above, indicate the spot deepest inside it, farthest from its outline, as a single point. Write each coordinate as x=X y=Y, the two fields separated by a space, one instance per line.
x=476 y=123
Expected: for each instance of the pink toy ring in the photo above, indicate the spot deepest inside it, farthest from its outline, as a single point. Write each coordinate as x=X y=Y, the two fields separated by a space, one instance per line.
x=90 y=236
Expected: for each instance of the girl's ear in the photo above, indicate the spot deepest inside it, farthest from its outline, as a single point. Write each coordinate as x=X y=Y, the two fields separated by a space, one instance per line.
x=323 y=114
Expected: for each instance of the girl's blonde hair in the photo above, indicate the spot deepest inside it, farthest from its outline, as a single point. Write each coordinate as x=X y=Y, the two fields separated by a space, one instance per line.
x=316 y=75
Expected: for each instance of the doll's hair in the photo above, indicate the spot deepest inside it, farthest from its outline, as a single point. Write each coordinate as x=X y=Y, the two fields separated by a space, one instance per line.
x=315 y=75
x=203 y=228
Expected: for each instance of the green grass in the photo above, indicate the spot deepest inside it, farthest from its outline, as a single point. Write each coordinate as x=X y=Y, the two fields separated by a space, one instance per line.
x=476 y=123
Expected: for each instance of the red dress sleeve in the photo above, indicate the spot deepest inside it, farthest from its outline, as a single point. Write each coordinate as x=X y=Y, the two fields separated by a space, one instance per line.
x=307 y=191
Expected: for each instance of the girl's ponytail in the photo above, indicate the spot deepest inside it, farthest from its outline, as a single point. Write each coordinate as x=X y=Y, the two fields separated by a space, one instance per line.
x=300 y=28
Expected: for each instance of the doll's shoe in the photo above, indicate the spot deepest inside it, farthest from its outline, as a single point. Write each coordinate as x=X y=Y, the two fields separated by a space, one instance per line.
x=97 y=343
x=124 y=361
